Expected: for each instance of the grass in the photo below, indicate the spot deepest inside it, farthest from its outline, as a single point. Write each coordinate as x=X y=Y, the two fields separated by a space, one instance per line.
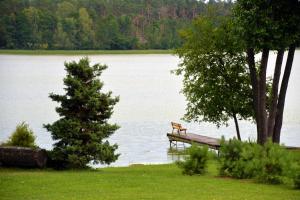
x=81 y=52
x=135 y=182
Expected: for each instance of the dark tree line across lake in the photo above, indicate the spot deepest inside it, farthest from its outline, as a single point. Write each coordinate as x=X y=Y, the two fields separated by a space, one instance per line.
x=99 y=24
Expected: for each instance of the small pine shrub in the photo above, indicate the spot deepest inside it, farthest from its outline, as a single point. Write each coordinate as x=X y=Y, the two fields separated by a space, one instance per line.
x=196 y=160
x=230 y=154
x=296 y=169
x=270 y=163
x=249 y=163
x=276 y=164
x=297 y=180
x=23 y=137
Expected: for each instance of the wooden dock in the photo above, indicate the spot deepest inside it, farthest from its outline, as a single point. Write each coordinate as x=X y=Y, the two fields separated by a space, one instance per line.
x=211 y=142
x=190 y=138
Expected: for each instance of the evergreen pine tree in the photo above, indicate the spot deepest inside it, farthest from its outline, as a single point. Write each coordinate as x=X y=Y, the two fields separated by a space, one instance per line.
x=83 y=126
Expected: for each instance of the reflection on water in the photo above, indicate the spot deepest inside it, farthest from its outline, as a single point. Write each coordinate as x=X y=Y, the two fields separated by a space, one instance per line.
x=149 y=100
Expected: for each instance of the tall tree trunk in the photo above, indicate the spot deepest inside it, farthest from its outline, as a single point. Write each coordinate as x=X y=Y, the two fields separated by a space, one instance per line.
x=262 y=96
x=274 y=94
x=282 y=94
x=255 y=88
x=237 y=127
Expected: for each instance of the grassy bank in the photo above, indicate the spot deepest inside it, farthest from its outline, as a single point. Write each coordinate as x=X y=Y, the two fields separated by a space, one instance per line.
x=82 y=52
x=135 y=182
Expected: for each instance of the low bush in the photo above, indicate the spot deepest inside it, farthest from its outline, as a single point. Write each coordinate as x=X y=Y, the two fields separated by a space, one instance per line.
x=270 y=163
x=296 y=174
x=250 y=163
x=239 y=159
x=196 y=160
x=276 y=164
x=23 y=137
x=230 y=153
x=297 y=180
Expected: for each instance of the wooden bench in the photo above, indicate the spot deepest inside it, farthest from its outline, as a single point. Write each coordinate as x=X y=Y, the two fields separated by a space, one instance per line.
x=178 y=127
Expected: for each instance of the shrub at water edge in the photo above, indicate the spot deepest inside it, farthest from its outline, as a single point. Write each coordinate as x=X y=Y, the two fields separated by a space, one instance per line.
x=296 y=174
x=196 y=160
x=270 y=163
x=276 y=164
x=230 y=154
x=23 y=137
x=297 y=180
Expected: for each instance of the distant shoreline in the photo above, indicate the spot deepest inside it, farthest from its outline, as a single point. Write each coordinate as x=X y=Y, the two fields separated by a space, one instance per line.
x=85 y=52
x=81 y=52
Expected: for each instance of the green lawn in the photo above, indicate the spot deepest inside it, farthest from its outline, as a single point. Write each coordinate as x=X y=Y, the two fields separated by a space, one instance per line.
x=135 y=182
x=82 y=52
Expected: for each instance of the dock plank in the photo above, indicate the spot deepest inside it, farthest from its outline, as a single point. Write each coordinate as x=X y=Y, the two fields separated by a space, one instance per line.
x=213 y=143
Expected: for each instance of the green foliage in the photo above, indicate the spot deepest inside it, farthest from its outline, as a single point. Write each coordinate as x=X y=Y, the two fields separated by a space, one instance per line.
x=270 y=163
x=22 y=137
x=264 y=25
x=296 y=175
x=297 y=180
x=267 y=24
x=276 y=163
x=231 y=159
x=196 y=160
x=98 y=24
x=84 y=112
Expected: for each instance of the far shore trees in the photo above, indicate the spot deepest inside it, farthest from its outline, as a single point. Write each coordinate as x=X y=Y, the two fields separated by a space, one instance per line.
x=84 y=110
x=98 y=24
x=215 y=78
x=265 y=25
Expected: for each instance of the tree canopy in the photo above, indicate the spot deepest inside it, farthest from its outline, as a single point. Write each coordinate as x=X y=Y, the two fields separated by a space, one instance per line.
x=259 y=26
x=263 y=26
x=215 y=78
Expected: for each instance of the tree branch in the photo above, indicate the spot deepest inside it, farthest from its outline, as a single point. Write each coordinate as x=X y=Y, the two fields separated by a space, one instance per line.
x=274 y=94
x=262 y=95
x=255 y=88
x=282 y=94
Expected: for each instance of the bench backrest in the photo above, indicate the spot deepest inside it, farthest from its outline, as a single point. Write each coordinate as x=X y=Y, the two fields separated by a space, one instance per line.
x=176 y=125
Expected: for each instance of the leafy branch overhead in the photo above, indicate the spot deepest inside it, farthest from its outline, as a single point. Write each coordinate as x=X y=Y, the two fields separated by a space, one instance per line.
x=215 y=78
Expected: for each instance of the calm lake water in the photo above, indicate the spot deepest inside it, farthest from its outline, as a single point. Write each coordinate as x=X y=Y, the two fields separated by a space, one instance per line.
x=149 y=99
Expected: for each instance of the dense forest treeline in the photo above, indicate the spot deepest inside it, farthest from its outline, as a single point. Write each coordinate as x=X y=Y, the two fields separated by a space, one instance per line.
x=99 y=24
